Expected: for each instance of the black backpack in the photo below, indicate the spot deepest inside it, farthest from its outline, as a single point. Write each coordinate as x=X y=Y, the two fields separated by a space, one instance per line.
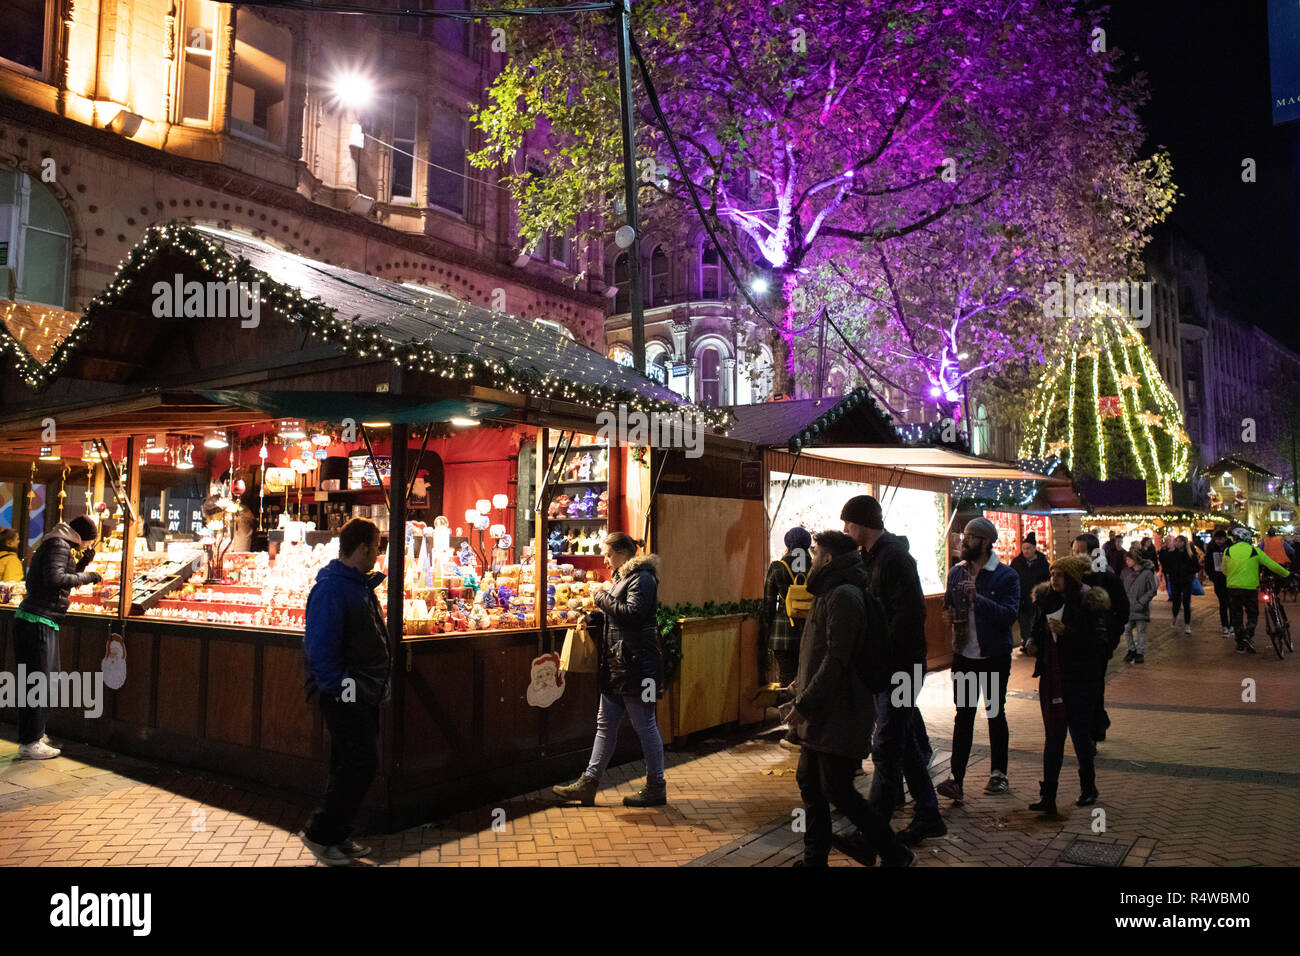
x=875 y=652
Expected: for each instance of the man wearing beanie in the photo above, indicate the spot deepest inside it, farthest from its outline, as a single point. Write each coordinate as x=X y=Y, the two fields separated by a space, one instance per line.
x=901 y=747
x=1099 y=575
x=782 y=633
x=982 y=601
x=54 y=572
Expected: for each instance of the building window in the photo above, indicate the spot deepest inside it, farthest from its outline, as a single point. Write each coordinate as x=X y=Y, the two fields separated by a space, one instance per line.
x=710 y=382
x=198 y=28
x=710 y=272
x=656 y=366
x=23 y=41
x=659 y=279
x=448 y=137
x=405 y=116
x=34 y=242
x=260 y=92
x=622 y=282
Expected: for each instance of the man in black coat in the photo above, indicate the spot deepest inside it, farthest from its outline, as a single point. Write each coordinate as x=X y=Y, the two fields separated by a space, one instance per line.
x=54 y=572
x=1033 y=568
x=832 y=709
x=1214 y=568
x=901 y=748
x=1086 y=546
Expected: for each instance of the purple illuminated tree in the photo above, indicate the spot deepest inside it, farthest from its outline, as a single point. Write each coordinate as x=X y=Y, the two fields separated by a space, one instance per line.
x=817 y=132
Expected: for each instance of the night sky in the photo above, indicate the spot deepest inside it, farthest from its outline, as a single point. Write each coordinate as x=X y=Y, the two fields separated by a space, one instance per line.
x=1208 y=71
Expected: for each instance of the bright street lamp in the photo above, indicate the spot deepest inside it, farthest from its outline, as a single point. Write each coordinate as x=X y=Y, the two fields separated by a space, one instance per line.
x=353 y=89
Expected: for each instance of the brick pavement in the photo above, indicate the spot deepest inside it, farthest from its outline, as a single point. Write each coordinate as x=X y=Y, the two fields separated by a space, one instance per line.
x=1190 y=774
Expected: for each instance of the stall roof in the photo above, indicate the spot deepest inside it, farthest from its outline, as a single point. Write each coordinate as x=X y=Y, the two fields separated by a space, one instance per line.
x=776 y=424
x=931 y=461
x=357 y=314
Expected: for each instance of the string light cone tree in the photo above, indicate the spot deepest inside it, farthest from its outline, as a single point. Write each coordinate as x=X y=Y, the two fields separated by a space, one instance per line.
x=1105 y=411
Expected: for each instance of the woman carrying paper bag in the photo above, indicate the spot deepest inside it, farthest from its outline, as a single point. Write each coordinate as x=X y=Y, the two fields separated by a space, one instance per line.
x=630 y=671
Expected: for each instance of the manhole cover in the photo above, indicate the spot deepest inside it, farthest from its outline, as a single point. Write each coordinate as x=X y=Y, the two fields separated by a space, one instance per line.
x=1092 y=853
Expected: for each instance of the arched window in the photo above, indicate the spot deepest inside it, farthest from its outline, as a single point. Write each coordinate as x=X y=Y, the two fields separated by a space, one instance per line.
x=659 y=279
x=623 y=300
x=709 y=388
x=34 y=242
x=657 y=367
x=710 y=272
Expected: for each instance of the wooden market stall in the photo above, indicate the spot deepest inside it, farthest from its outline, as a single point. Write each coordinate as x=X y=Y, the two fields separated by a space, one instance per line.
x=816 y=454
x=482 y=405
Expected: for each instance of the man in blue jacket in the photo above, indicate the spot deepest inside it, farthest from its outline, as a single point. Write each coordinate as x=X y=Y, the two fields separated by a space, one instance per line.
x=983 y=594
x=345 y=650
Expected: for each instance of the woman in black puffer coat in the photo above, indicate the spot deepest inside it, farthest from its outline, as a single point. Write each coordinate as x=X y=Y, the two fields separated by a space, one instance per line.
x=1071 y=642
x=630 y=672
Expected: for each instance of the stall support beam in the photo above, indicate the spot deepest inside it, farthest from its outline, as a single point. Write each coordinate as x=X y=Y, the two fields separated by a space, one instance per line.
x=128 y=529
x=540 y=547
x=397 y=583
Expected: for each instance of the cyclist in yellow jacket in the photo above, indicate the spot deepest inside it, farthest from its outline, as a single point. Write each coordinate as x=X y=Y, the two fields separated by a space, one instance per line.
x=1241 y=563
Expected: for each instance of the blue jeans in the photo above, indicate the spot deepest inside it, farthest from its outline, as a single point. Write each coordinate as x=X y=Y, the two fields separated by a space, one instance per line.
x=610 y=718
x=900 y=753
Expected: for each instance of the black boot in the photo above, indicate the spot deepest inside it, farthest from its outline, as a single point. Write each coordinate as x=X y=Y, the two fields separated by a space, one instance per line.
x=1046 y=799
x=651 y=795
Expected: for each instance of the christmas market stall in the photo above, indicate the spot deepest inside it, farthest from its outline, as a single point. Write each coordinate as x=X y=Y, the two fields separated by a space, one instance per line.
x=819 y=453
x=226 y=436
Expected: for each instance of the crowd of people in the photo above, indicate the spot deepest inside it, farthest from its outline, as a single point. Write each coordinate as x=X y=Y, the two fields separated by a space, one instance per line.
x=843 y=661
x=844 y=618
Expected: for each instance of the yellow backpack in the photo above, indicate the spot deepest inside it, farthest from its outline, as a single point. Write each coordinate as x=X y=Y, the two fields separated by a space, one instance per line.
x=798 y=599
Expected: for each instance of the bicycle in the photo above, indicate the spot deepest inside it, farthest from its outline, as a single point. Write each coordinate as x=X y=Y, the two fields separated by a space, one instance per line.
x=1275 y=619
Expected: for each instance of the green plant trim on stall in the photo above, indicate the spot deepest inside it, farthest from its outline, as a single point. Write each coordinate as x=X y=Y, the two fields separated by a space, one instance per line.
x=670 y=619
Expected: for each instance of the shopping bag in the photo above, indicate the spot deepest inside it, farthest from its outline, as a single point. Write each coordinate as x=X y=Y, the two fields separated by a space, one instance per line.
x=114 y=663
x=1197 y=589
x=579 y=654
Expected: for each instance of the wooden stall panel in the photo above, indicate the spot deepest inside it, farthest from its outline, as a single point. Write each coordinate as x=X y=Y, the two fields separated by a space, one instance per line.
x=571 y=720
x=178 y=679
x=511 y=725
x=938 y=635
x=711 y=549
x=708 y=686
x=438 y=698
x=230 y=691
x=133 y=699
x=749 y=676
x=288 y=720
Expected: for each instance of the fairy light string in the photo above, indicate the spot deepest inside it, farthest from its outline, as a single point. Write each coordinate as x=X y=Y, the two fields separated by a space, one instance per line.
x=508 y=373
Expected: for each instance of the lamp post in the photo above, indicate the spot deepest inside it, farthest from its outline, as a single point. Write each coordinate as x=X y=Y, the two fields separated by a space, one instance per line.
x=622 y=13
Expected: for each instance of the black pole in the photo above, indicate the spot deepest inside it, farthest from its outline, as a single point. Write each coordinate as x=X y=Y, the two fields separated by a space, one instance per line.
x=821 y=355
x=396 y=586
x=1295 y=471
x=622 y=13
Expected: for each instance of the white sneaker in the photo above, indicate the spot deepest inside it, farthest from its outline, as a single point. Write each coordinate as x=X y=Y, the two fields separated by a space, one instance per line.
x=1187 y=629
x=37 y=751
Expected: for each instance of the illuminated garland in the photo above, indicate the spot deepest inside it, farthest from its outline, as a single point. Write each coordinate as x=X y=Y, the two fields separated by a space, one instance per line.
x=845 y=406
x=988 y=492
x=1170 y=517
x=324 y=322
x=1149 y=441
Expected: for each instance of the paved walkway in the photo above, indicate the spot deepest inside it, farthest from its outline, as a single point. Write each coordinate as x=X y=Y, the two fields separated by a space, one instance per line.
x=1190 y=774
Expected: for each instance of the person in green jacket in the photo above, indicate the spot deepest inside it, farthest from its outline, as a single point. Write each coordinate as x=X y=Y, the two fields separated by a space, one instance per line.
x=1241 y=564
